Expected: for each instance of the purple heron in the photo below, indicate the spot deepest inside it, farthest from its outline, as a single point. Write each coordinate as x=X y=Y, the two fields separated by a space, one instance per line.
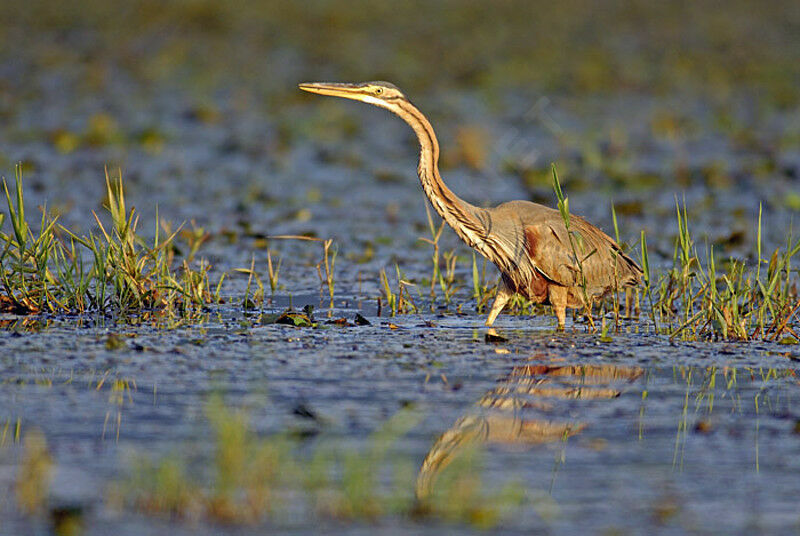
x=529 y=243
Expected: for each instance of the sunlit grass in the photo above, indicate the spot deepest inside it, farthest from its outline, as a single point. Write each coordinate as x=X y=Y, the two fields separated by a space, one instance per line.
x=693 y=300
x=579 y=254
x=400 y=302
x=47 y=271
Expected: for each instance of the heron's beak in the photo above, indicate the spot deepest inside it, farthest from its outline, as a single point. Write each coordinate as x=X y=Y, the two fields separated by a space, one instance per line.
x=334 y=89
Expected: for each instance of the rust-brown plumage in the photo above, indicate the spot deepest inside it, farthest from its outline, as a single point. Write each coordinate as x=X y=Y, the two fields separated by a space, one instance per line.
x=529 y=243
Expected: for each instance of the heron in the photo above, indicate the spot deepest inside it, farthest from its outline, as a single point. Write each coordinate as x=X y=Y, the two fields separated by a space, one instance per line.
x=529 y=243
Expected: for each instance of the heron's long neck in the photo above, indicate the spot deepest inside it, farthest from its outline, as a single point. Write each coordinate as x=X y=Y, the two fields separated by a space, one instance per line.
x=460 y=215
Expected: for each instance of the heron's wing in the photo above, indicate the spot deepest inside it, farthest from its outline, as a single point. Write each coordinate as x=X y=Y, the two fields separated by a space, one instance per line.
x=550 y=250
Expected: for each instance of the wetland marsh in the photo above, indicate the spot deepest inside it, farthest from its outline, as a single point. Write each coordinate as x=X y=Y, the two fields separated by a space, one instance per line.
x=287 y=342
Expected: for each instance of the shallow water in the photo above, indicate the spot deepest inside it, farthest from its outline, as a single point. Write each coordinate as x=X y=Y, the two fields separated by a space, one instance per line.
x=713 y=446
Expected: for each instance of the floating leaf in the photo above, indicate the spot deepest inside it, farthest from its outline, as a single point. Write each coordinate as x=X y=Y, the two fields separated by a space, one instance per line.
x=300 y=320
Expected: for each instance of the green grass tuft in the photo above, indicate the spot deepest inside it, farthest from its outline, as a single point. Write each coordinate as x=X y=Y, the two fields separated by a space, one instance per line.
x=48 y=272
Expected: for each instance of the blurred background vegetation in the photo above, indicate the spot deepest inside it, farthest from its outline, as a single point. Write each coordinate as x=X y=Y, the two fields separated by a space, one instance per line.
x=574 y=46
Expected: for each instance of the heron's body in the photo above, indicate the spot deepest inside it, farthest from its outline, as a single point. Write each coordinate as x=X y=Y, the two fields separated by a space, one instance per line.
x=529 y=243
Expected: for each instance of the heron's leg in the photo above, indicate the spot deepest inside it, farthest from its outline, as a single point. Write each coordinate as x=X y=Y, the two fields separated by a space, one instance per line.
x=500 y=300
x=558 y=299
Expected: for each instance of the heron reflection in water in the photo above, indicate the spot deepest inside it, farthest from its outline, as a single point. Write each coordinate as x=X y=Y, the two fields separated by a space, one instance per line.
x=508 y=413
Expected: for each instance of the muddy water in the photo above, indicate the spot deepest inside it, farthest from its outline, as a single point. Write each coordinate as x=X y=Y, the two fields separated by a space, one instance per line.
x=635 y=435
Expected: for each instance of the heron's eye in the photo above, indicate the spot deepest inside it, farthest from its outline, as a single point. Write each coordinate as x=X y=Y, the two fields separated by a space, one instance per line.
x=379 y=91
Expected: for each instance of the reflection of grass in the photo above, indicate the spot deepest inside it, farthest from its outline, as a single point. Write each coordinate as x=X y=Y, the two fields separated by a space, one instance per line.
x=120 y=391
x=254 y=479
x=705 y=390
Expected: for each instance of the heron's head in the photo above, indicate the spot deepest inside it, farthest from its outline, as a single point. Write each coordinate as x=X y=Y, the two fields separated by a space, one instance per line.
x=381 y=94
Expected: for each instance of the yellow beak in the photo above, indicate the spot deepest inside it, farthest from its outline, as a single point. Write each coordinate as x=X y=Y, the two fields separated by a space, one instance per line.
x=334 y=89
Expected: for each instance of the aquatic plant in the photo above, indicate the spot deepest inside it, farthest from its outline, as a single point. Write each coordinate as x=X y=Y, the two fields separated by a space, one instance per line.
x=46 y=271
x=693 y=301
x=273 y=270
x=436 y=234
x=255 y=300
x=325 y=267
x=480 y=289
x=575 y=244
x=400 y=302
x=328 y=262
